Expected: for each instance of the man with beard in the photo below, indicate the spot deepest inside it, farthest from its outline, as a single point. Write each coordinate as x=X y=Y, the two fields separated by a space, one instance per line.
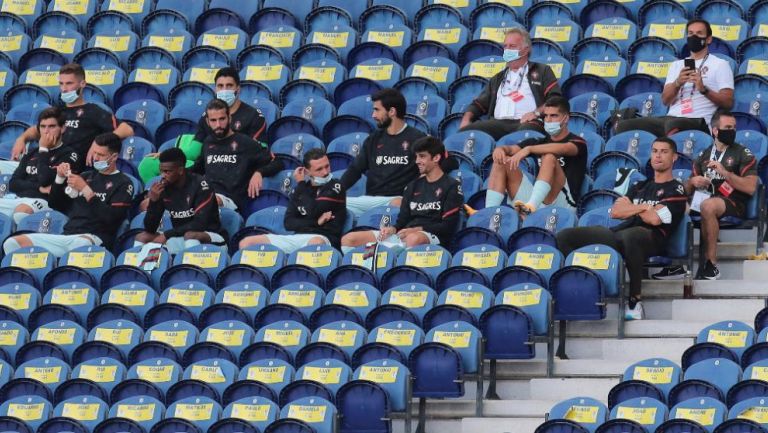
x=189 y=201
x=429 y=212
x=234 y=164
x=386 y=157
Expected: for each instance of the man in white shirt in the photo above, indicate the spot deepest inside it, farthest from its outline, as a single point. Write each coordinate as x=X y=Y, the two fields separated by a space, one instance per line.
x=513 y=98
x=693 y=95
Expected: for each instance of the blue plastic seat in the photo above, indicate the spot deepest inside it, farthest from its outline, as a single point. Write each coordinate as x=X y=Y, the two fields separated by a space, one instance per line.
x=290 y=335
x=305 y=297
x=432 y=259
x=49 y=371
x=146 y=411
x=88 y=410
x=585 y=411
x=463 y=91
x=14 y=335
x=620 y=31
x=597 y=105
x=21 y=298
x=705 y=405
x=441 y=71
x=106 y=372
x=66 y=334
x=232 y=334
x=161 y=372
x=308 y=410
x=65 y=42
x=217 y=372
x=736 y=336
x=692 y=143
x=648 y=412
x=123 y=334
x=32 y=410
x=203 y=411
x=470 y=147
x=404 y=336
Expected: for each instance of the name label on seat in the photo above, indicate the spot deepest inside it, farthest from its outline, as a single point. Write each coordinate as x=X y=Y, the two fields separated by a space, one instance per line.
x=203 y=75
x=10 y=43
x=331 y=39
x=320 y=74
x=642 y=415
x=267 y=374
x=454 y=3
x=81 y=411
x=16 y=301
x=602 y=69
x=98 y=373
x=9 y=337
x=297 y=298
x=758 y=414
x=227 y=337
x=43 y=374
x=19 y=7
x=760 y=373
x=155 y=373
x=70 y=296
x=424 y=259
x=325 y=375
x=206 y=260
x=374 y=72
x=62 y=45
x=26 y=412
x=136 y=412
x=444 y=36
x=667 y=31
x=310 y=414
x=381 y=259
x=759 y=67
x=457 y=340
x=225 y=42
x=339 y=337
x=438 y=74
x=655 y=375
x=379 y=374
x=727 y=338
x=86 y=260
x=57 y=336
x=259 y=259
x=656 y=69
x=129 y=298
x=522 y=298
x=277 y=39
x=194 y=412
x=242 y=298
x=283 y=337
x=485 y=69
x=599 y=262
x=187 y=298
x=118 y=337
x=72 y=7
x=208 y=374
x=29 y=260
x=726 y=32
x=251 y=412
x=553 y=33
x=557 y=69
x=464 y=299
x=396 y=337
x=537 y=261
x=351 y=298
x=480 y=260
x=618 y=32
x=495 y=34
x=127 y=6
x=113 y=43
x=390 y=39
x=704 y=417
x=408 y=299
x=170 y=43
x=101 y=77
x=582 y=414
x=314 y=259
x=153 y=76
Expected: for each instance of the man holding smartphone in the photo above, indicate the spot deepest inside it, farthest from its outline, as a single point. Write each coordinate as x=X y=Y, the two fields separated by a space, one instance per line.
x=695 y=88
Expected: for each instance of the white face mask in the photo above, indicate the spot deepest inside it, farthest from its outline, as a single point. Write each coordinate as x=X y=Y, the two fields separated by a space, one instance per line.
x=322 y=180
x=552 y=128
x=69 y=97
x=227 y=96
x=101 y=166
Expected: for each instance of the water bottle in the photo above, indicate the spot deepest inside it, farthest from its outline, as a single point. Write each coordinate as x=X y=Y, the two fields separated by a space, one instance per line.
x=688 y=285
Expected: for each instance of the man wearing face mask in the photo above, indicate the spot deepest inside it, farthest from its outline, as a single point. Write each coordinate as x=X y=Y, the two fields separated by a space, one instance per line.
x=233 y=163
x=513 y=98
x=316 y=212
x=692 y=94
x=82 y=120
x=96 y=203
x=562 y=159
x=246 y=119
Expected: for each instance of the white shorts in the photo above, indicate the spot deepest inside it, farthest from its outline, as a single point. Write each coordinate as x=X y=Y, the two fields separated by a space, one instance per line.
x=291 y=243
x=8 y=205
x=395 y=242
x=359 y=205
x=176 y=245
x=226 y=202
x=8 y=167
x=526 y=188
x=58 y=245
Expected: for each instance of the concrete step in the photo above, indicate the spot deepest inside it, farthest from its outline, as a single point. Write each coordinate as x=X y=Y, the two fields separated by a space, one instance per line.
x=561 y=388
x=447 y=409
x=715 y=310
x=636 y=349
x=648 y=328
x=496 y=425
x=754 y=270
x=537 y=367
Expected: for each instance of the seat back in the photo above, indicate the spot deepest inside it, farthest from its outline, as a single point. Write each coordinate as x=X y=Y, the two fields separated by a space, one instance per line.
x=289 y=334
x=601 y=259
x=533 y=299
x=648 y=412
x=705 y=410
x=734 y=335
x=317 y=412
x=405 y=336
x=585 y=411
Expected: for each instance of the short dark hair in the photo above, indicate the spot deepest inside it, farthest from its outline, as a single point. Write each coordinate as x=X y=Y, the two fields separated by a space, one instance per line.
x=51 y=113
x=73 y=68
x=217 y=104
x=313 y=155
x=391 y=98
x=699 y=20
x=227 y=71
x=432 y=145
x=110 y=140
x=669 y=141
x=558 y=102
x=715 y=122
x=175 y=155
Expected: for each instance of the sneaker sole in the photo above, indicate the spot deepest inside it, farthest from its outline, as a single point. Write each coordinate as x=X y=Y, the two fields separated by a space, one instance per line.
x=668 y=277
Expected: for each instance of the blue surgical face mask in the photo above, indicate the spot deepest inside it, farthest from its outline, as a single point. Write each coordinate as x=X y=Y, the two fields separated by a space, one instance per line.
x=227 y=96
x=70 y=97
x=552 y=128
x=101 y=166
x=511 y=55
x=322 y=180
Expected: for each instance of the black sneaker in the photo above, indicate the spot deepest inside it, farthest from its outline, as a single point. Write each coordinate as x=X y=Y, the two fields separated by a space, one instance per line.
x=710 y=271
x=670 y=273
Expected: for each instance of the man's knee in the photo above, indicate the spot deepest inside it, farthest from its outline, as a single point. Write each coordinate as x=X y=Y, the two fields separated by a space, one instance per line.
x=549 y=160
x=415 y=239
x=196 y=236
x=712 y=208
x=254 y=240
x=395 y=202
x=353 y=239
x=145 y=237
x=12 y=244
x=317 y=240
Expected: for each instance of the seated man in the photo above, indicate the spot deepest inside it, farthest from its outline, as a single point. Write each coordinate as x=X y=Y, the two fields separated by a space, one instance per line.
x=651 y=211
x=724 y=179
x=31 y=182
x=317 y=210
x=429 y=212
x=189 y=201
x=386 y=156
x=233 y=163
x=512 y=98
x=692 y=94
x=97 y=202
x=562 y=159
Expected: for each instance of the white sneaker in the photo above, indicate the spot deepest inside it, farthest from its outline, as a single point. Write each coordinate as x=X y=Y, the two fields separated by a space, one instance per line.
x=636 y=313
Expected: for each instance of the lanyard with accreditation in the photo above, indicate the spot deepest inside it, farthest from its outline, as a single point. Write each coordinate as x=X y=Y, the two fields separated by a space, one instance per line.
x=686 y=102
x=725 y=188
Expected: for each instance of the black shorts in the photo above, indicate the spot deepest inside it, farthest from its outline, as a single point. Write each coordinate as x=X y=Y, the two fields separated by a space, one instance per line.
x=732 y=209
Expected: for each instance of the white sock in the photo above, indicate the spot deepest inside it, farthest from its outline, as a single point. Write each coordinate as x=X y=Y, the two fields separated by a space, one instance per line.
x=138 y=244
x=539 y=193
x=345 y=249
x=18 y=216
x=10 y=245
x=189 y=243
x=493 y=198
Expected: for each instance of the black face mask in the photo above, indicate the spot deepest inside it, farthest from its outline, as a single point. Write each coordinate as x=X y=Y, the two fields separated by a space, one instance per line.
x=696 y=44
x=726 y=136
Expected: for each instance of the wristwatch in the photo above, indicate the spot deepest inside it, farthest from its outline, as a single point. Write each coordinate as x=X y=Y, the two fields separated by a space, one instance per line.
x=704 y=91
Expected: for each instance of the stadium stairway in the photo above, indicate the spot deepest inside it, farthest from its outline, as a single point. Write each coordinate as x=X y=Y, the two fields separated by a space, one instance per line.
x=598 y=358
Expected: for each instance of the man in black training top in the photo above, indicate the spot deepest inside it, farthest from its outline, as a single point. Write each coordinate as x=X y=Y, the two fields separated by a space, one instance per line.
x=246 y=119
x=83 y=120
x=386 y=157
x=651 y=211
x=30 y=184
x=234 y=164
x=429 y=212
x=96 y=203
x=190 y=202
x=316 y=212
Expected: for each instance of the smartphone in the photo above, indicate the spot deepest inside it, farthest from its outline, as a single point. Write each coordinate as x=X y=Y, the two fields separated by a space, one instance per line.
x=690 y=64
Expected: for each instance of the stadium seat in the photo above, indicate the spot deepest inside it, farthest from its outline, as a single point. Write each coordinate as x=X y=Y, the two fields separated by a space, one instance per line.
x=431 y=259
x=647 y=412
x=30 y=410
x=587 y=412
x=318 y=414
x=714 y=412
